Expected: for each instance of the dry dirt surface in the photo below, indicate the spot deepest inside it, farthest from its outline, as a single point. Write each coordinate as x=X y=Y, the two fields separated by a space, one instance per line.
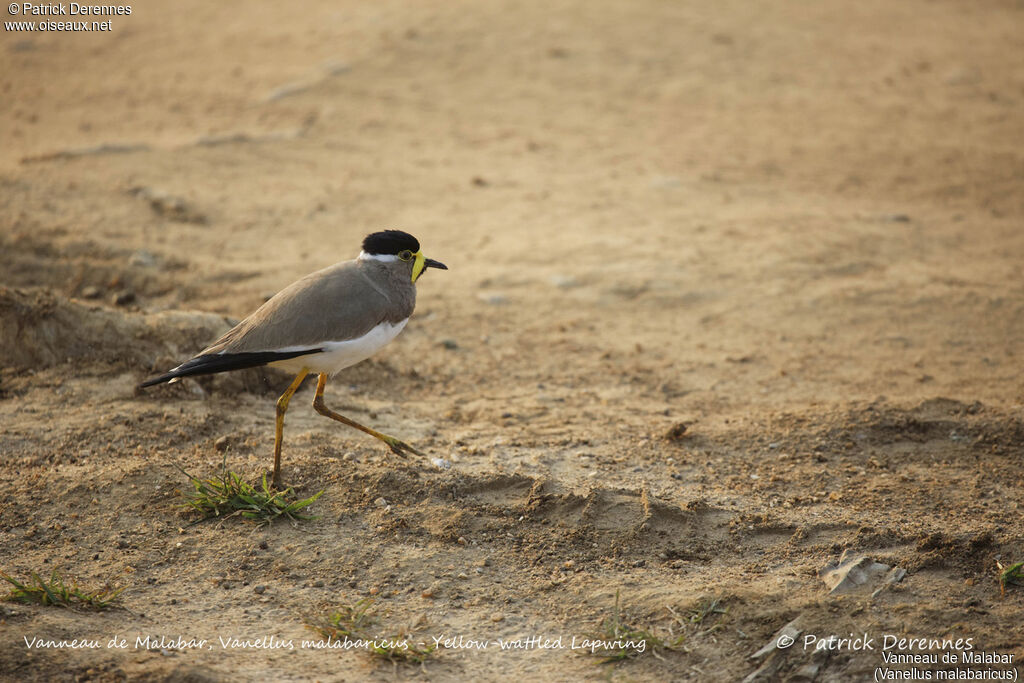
x=734 y=288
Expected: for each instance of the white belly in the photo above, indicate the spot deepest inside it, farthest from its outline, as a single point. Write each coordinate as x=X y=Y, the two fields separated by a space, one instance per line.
x=338 y=355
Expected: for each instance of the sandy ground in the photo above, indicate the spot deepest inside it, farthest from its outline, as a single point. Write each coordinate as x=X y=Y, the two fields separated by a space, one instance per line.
x=793 y=228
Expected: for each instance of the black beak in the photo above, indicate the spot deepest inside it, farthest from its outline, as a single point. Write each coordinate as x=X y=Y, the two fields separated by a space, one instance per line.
x=431 y=263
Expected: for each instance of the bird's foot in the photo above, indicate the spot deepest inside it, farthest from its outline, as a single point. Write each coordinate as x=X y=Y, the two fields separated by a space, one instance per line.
x=399 y=447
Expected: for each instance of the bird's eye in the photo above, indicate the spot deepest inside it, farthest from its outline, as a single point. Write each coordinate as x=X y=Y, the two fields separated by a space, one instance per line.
x=405 y=255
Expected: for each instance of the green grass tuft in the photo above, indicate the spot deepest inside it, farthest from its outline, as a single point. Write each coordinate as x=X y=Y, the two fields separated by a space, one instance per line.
x=36 y=591
x=1010 y=576
x=351 y=620
x=228 y=494
x=354 y=622
x=704 y=610
x=625 y=641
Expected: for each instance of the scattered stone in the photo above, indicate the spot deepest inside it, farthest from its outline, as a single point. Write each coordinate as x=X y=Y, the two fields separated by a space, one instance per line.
x=493 y=299
x=168 y=206
x=318 y=584
x=858 y=574
x=497 y=616
x=441 y=463
x=894 y=576
x=668 y=182
x=143 y=258
x=287 y=90
x=450 y=344
x=123 y=298
x=381 y=502
x=786 y=634
x=774 y=652
x=91 y=292
x=259 y=590
x=564 y=281
x=676 y=431
x=809 y=671
x=221 y=444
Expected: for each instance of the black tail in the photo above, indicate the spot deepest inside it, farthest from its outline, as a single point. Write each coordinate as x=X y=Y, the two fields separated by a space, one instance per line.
x=223 y=362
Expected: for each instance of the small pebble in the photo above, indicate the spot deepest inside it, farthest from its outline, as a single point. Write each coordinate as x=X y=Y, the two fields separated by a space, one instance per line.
x=381 y=502
x=497 y=616
x=259 y=590
x=493 y=299
x=676 y=432
x=142 y=258
x=441 y=463
x=221 y=444
x=564 y=281
x=374 y=590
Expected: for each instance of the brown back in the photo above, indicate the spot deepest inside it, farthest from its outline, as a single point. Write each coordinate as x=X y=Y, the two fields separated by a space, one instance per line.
x=341 y=302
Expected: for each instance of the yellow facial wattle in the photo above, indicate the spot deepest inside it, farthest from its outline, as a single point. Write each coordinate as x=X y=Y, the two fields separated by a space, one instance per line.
x=418 y=265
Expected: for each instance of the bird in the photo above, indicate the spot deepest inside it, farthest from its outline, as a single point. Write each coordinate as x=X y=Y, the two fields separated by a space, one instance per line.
x=323 y=323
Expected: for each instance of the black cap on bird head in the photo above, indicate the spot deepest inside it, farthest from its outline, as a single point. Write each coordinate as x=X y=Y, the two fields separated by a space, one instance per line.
x=390 y=242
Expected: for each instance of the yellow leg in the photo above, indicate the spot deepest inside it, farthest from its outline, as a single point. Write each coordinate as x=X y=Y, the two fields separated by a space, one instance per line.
x=282 y=406
x=398 y=447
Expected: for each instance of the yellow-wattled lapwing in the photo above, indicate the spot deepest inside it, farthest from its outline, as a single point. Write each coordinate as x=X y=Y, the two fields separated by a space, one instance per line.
x=325 y=322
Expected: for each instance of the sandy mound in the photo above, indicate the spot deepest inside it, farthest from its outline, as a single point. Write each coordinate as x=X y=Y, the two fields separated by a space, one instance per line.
x=39 y=328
